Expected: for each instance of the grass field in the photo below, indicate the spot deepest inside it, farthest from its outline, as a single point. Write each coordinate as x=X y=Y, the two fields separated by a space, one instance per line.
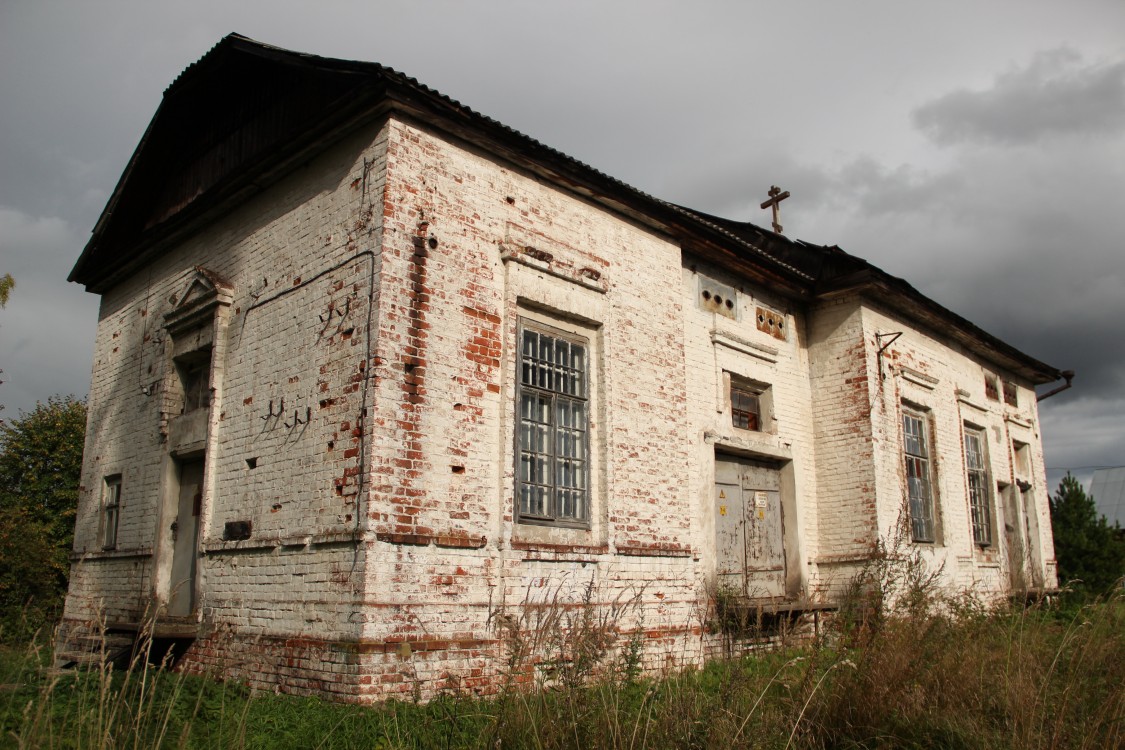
x=925 y=675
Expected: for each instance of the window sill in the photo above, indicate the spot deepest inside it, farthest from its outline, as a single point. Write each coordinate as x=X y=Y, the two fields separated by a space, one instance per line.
x=110 y=554
x=654 y=550
x=558 y=551
x=554 y=538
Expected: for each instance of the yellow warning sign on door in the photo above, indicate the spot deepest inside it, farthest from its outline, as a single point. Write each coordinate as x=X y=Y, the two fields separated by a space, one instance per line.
x=722 y=495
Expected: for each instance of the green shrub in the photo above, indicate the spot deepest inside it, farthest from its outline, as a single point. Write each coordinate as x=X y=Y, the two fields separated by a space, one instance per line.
x=40 y=469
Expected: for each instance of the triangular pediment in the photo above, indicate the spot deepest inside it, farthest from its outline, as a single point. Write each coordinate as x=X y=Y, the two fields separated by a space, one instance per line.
x=201 y=293
x=198 y=289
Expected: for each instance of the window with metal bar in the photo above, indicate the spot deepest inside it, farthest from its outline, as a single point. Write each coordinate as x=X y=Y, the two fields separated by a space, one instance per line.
x=975 y=465
x=916 y=448
x=552 y=474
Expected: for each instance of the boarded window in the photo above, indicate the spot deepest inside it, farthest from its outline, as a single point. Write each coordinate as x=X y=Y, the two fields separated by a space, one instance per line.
x=977 y=477
x=991 y=387
x=111 y=511
x=717 y=298
x=552 y=473
x=772 y=322
x=195 y=379
x=916 y=447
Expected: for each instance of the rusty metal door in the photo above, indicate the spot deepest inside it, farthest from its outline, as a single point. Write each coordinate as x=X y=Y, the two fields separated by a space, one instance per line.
x=185 y=533
x=749 y=528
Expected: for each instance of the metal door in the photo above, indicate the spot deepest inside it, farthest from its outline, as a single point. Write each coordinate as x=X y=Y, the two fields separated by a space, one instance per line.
x=185 y=532
x=749 y=528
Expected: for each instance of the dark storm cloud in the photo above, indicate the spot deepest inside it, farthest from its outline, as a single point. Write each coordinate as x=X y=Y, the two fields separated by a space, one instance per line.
x=905 y=189
x=1026 y=245
x=1055 y=94
x=705 y=104
x=1084 y=431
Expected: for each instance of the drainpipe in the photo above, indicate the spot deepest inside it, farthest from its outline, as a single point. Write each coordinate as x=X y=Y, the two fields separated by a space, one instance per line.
x=1069 y=375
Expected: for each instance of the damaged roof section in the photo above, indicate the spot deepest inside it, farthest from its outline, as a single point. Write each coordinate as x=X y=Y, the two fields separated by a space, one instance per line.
x=247 y=113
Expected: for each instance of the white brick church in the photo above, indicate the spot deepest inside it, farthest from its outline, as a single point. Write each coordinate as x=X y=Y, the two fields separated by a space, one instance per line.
x=375 y=372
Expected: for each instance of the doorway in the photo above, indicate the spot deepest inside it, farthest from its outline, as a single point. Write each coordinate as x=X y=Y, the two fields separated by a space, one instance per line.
x=749 y=528
x=185 y=534
x=1014 y=538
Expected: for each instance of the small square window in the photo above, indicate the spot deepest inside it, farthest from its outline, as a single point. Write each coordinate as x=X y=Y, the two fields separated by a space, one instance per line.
x=111 y=511
x=746 y=409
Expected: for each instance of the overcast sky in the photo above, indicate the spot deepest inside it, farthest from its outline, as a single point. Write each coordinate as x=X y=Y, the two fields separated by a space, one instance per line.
x=975 y=148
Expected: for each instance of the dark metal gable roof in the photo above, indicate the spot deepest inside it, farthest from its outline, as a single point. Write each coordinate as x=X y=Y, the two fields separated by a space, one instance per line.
x=222 y=117
x=247 y=112
x=247 y=107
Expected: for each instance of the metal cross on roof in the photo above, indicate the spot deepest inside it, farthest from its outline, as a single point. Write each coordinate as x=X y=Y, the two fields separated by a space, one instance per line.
x=776 y=197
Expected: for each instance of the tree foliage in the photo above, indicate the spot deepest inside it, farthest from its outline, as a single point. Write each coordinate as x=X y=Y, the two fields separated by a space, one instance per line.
x=1090 y=552
x=40 y=470
x=7 y=284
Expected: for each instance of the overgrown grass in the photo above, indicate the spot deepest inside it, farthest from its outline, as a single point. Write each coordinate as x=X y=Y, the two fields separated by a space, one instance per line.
x=936 y=674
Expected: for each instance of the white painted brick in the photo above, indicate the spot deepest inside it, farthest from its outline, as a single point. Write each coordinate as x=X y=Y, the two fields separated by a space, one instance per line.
x=388 y=517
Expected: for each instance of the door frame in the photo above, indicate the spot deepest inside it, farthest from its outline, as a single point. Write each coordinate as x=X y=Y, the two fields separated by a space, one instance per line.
x=795 y=577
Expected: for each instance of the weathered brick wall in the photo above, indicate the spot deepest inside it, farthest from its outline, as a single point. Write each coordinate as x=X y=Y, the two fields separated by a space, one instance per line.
x=301 y=259
x=845 y=502
x=365 y=427
x=449 y=561
x=860 y=447
x=719 y=347
x=947 y=385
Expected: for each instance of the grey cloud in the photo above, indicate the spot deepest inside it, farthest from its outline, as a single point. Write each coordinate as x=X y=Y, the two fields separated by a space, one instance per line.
x=1026 y=245
x=46 y=330
x=878 y=190
x=1055 y=94
x=1083 y=431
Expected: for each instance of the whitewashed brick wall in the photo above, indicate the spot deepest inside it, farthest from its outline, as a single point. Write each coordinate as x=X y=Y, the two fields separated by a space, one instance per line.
x=951 y=391
x=377 y=292
x=277 y=252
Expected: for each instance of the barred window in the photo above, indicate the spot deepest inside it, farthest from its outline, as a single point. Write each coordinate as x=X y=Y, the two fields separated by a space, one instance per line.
x=978 y=487
x=916 y=448
x=553 y=469
x=111 y=506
